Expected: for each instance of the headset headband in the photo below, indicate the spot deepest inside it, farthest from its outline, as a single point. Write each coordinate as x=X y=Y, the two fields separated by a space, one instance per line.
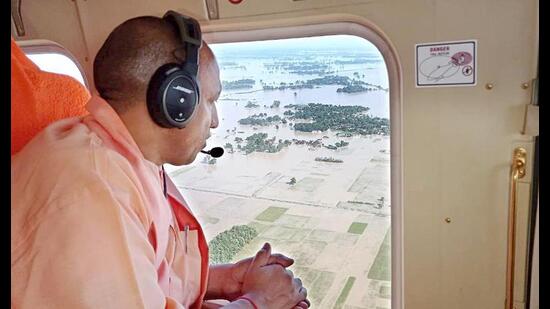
x=190 y=33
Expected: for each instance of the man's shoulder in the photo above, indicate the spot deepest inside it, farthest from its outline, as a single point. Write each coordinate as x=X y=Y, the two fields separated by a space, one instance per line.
x=66 y=163
x=67 y=142
x=66 y=152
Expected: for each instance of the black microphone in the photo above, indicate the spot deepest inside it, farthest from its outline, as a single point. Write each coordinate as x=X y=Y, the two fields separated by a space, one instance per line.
x=215 y=152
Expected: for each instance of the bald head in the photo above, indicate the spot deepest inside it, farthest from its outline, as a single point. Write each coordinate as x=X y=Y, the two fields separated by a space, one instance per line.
x=132 y=53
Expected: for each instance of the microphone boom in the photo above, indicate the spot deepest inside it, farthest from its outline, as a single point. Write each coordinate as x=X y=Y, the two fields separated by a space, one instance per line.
x=215 y=152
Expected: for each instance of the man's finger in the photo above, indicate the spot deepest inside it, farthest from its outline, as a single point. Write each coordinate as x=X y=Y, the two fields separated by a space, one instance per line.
x=302 y=305
x=303 y=293
x=262 y=256
x=290 y=273
x=280 y=259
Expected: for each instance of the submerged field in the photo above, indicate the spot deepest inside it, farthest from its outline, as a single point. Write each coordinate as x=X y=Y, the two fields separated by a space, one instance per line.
x=330 y=221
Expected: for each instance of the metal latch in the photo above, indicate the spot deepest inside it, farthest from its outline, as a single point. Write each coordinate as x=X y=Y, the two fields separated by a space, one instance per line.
x=531 y=120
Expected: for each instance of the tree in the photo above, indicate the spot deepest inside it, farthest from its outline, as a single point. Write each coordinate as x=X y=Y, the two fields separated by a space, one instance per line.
x=229 y=147
x=224 y=247
x=276 y=104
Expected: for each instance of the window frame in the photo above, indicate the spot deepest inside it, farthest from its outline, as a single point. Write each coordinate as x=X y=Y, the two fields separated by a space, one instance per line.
x=342 y=24
x=36 y=47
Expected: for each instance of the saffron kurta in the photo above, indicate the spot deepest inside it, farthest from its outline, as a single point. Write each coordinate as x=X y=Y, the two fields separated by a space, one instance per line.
x=91 y=226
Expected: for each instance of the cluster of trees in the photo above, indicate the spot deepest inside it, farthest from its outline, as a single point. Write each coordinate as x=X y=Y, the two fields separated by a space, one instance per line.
x=355 y=88
x=310 y=84
x=284 y=86
x=258 y=142
x=359 y=86
x=329 y=159
x=311 y=143
x=318 y=111
x=227 y=244
x=300 y=67
x=238 y=84
x=350 y=85
x=350 y=119
x=260 y=120
x=344 y=134
x=229 y=147
x=250 y=104
x=337 y=145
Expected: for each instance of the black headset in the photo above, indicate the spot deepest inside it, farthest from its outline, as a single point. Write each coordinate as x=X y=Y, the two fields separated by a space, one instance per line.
x=173 y=92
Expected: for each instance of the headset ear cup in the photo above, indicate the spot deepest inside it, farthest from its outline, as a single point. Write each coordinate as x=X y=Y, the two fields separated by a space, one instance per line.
x=172 y=96
x=155 y=92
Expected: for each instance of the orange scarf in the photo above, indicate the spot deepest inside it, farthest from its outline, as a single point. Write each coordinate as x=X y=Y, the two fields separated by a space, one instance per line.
x=39 y=98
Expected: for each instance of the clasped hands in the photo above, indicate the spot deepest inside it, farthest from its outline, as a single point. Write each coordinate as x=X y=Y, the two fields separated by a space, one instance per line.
x=263 y=279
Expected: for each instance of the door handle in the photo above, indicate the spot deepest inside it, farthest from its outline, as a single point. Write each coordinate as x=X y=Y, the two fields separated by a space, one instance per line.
x=517 y=172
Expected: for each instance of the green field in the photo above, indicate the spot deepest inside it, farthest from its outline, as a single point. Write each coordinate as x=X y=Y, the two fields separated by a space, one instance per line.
x=322 y=283
x=271 y=214
x=344 y=294
x=357 y=228
x=381 y=268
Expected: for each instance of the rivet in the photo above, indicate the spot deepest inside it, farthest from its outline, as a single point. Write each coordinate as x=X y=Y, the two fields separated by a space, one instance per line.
x=525 y=85
x=489 y=86
x=448 y=220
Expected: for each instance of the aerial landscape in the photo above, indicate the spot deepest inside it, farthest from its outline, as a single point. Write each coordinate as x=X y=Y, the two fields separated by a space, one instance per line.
x=306 y=131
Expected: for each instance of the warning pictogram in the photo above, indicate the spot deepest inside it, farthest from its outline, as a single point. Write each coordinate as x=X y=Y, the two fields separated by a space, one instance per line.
x=446 y=64
x=467 y=70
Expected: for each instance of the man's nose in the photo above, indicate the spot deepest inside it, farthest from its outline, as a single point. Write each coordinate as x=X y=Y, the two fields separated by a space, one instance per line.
x=215 y=122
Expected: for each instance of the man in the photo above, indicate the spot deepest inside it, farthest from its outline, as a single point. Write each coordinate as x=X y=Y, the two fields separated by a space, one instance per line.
x=95 y=221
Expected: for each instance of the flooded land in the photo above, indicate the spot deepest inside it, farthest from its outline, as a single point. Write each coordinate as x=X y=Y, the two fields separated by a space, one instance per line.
x=307 y=166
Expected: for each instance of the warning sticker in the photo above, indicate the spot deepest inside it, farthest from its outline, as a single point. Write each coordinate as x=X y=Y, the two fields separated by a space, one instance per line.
x=446 y=64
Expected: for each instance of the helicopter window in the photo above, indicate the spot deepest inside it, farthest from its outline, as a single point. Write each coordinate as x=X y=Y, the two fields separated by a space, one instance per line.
x=52 y=57
x=305 y=126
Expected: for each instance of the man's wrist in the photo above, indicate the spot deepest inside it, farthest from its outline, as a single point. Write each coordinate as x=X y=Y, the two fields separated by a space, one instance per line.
x=246 y=302
x=217 y=281
x=254 y=299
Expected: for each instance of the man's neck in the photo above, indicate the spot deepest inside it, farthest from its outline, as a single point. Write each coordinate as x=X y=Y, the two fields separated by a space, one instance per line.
x=144 y=132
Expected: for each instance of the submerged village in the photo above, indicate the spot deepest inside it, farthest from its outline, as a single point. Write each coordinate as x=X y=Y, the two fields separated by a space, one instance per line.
x=311 y=117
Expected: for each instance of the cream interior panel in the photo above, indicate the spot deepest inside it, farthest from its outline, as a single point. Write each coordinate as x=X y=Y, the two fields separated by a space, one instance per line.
x=262 y=7
x=524 y=191
x=100 y=17
x=457 y=144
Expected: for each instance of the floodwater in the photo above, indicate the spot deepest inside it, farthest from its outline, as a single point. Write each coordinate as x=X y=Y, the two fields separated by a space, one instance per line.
x=327 y=198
